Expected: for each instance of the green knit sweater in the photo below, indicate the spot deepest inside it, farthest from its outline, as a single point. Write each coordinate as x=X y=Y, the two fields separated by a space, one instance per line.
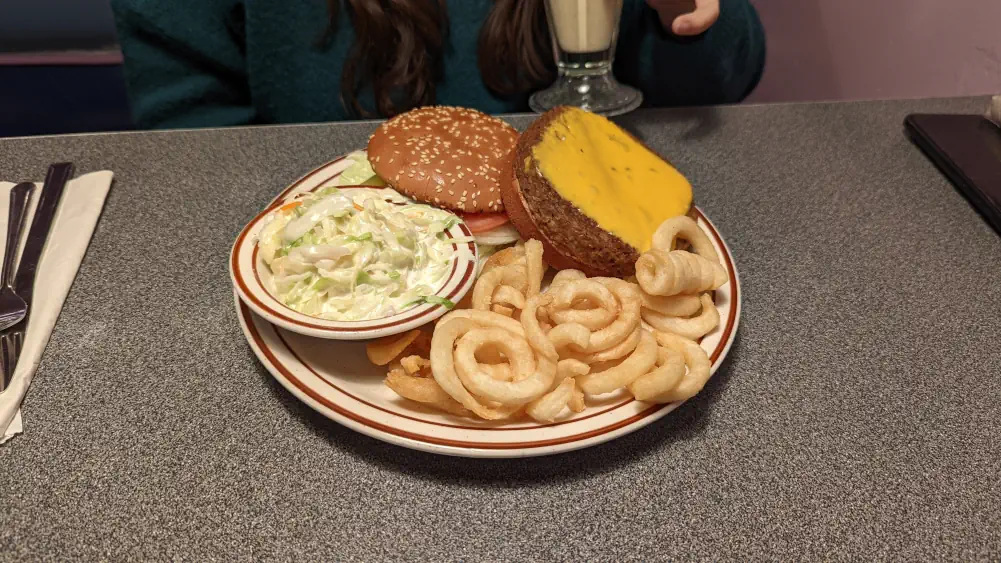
x=201 y=63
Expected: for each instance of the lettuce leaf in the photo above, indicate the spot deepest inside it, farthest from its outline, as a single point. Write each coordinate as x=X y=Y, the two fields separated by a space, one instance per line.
x=360 y=173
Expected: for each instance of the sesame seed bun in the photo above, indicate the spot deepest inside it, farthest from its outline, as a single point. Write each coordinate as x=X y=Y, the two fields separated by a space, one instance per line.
x=454 y=158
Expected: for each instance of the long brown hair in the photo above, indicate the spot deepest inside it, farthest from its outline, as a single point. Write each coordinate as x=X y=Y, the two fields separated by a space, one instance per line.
x=399 y=44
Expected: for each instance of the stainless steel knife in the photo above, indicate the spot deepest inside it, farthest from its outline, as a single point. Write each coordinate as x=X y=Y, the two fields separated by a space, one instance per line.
x=41 y=224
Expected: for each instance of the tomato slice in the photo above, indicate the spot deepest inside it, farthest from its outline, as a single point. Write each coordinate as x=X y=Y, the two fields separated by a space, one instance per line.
x=483 y=222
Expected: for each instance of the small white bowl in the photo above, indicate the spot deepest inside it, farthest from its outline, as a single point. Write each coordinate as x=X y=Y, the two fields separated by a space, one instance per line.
x=252 y=280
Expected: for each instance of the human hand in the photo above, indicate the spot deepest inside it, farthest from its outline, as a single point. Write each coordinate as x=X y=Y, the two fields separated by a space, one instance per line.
x=686 y=17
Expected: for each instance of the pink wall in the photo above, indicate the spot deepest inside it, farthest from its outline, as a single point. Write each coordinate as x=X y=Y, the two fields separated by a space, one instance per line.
x=860 y=49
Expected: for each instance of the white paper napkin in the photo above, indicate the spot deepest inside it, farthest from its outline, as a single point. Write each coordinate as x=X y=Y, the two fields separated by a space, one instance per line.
x=72 y=227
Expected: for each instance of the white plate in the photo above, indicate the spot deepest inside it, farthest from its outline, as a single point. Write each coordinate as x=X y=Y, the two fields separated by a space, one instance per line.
x=253 y=281
x=336 y=379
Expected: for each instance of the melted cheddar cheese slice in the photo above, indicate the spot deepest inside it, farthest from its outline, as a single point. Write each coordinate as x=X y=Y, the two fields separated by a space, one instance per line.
x=610 y=177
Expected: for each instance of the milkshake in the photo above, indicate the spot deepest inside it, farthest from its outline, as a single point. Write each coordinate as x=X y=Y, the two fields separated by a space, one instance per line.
x=585 y=26
x=584 y=33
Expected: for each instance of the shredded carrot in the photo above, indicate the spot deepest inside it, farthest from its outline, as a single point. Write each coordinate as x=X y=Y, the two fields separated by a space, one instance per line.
x=358 y=207
x=290 y=206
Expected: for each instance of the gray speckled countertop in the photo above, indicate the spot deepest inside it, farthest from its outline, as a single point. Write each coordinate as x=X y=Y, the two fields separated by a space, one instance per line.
x=857 y=417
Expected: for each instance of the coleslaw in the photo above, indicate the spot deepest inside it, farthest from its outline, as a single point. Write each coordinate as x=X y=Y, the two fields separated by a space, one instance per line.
x=357 y=254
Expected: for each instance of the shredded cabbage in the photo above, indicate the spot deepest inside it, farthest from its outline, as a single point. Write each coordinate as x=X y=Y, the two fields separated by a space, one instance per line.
x=332 y=260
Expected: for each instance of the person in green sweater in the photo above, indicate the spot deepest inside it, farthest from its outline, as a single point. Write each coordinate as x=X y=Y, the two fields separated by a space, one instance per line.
x=206 y=63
